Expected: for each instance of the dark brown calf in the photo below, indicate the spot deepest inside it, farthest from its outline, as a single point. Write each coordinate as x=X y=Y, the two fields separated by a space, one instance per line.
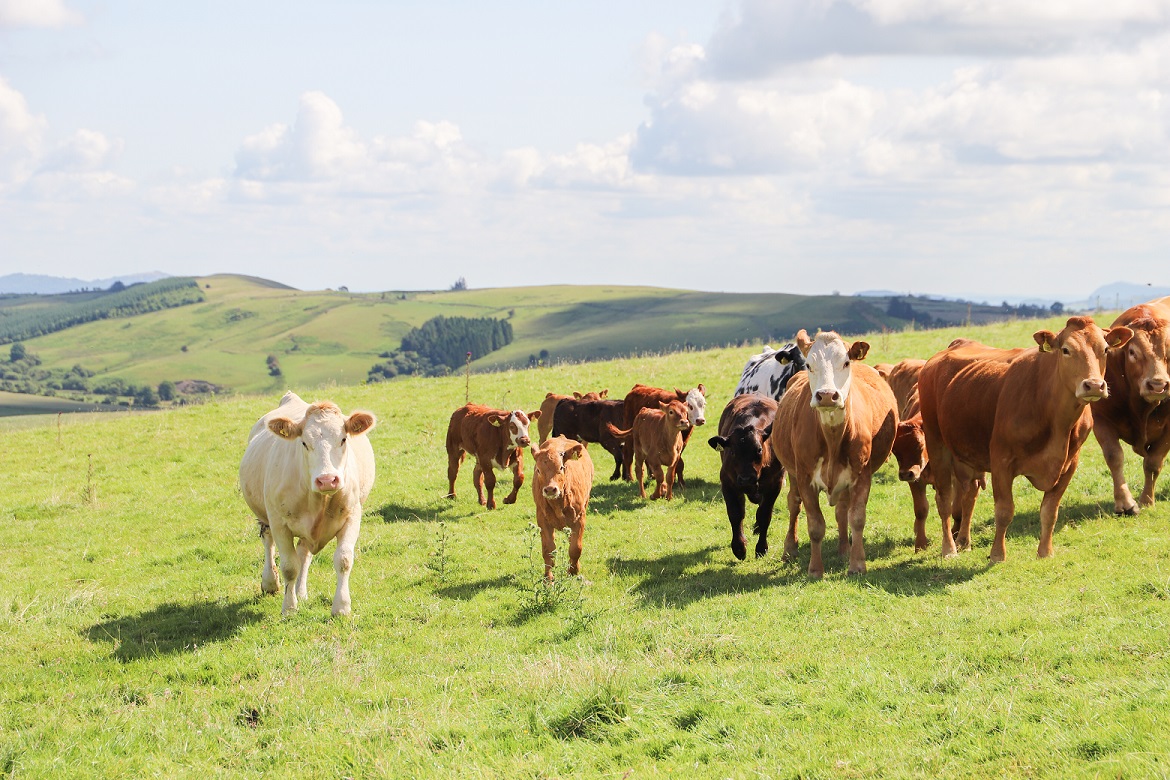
x=585 y=421
x=656 y=439
x=495 y=439
x=549 y=404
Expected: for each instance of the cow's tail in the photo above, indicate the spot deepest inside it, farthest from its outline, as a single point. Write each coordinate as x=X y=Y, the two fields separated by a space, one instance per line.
x=618 y=433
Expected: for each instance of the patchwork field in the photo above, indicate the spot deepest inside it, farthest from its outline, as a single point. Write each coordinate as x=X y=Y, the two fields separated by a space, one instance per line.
x=134 y=640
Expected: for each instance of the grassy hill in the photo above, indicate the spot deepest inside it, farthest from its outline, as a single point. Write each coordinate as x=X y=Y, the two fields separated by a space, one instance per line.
x=134 y=640
x=328 y=336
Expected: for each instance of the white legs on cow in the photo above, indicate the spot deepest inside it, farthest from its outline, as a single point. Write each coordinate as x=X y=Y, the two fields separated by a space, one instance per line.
x=343 y=563
x=269 y=583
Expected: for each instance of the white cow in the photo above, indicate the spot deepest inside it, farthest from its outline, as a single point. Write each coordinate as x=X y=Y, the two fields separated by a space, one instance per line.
x=305 y=474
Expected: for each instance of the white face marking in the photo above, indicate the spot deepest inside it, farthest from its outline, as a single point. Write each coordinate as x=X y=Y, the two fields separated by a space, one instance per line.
x=324 y=442
x=518 y=430
x=829 y=371
x=697 y=407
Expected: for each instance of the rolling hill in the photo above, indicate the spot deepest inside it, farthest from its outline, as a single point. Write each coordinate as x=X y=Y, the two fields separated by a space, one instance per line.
x=335 y=336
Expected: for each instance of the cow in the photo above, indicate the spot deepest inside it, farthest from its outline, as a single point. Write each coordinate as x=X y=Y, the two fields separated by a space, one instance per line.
x=834 y=428
x=545 y=423
x=495 y=438
x=749 y=469
x=562 y=476
x=656 y=440
x=1136 y=411
x=305 y=474
x=586 y=420
x=767 y=373
x=644 y=396
x=1014 y=412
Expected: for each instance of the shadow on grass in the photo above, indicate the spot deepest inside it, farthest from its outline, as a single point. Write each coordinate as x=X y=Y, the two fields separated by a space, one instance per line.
x=174 y=628
x=608 y=497
x=469 y=590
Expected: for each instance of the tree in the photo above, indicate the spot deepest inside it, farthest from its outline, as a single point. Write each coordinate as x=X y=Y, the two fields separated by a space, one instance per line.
x=1057 y=308
x=17 y=352
x=166 y=391
x=460 y=284
x=146 y=397
x=273 y=366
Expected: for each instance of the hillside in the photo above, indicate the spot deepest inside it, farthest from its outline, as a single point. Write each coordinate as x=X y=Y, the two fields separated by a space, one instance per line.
x=335 y=336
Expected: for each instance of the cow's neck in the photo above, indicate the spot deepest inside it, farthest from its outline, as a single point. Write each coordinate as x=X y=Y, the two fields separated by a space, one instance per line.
x=833 y=425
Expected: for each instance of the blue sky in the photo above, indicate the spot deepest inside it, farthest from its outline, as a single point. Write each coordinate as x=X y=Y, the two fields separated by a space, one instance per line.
x=931 y=146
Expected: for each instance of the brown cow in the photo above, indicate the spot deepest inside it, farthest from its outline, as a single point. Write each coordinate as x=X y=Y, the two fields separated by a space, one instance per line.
x=834 y=427
x=1135 y=411
x=562 y=476
x=585 y=421
x=1014 y=412
x=549 y=404
x=656 y=439
x=750 y=471
x=495 y=439
x=644 y=396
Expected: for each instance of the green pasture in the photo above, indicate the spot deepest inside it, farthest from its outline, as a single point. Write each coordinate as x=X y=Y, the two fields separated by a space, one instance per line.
x=134 y=640
x=328 y=335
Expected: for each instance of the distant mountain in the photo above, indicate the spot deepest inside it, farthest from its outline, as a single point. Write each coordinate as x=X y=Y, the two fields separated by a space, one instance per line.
x=1122 y=295
x=25 y=284
x=1116 y=295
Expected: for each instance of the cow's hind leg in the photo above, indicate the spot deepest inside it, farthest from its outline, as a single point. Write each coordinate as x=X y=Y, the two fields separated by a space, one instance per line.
x=290 y=568
x=343 y=562
x=1152 y=467
x=454 y=458
x=921 y=511
x=639 y=467
x=480 y=477
x=791 y=543
x=269 y=582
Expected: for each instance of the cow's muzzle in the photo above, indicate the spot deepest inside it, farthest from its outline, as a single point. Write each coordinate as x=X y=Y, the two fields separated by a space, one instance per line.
x=523 y=441
x=911 y=474
x=1092 y=390
x=1155 y=390
x=327 y=483
x=552 y=491
x=828 y=399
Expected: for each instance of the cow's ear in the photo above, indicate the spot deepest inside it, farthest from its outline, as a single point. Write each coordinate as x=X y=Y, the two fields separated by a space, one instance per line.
x=663 y=406
x=680 y=395
x=604 y=393
x=1046 y=339
x=359 y=422
x=803 y=342
x=285 y=428
x=534 y=415
x=576 y=395
x=767 y=432
x=574 y=452
x=858 y=350
x=783 y=359
x=718 y=443
x=532 y=449
x=702 y=390
x=1117 y=337
x=550 y=395
x=495 y=420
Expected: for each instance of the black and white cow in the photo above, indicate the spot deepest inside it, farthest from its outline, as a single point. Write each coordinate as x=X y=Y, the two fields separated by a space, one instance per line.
x=767 y=373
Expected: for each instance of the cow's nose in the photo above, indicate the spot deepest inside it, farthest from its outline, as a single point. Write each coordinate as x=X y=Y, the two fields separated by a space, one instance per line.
x=524 y=441
x=552 y=491
x=1157 y=386
x=1093 y=387
x=328 y=482
x=745 y=481
x=909 y=475
x=700 y=420
x=828 y=396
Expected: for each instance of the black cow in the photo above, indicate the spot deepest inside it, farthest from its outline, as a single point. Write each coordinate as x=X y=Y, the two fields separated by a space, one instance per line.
x=585 y=421
x=750 y=469
x=767 y=373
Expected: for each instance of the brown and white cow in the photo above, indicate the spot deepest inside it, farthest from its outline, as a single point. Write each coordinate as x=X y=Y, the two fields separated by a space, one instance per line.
x=1136 y=411
x=647 y=397
x=656 y=439
x=1021 y=412
x=548 y=407
x=305 y=474
x=586 y=420
x=834 y=428
x=562 y=477
x=495 y=438
x=750 y=471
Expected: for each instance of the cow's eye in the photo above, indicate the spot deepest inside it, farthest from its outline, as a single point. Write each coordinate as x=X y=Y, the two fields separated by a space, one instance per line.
x=845 y=364
x=343 y=440
x=1065 y=350
x=305 y=444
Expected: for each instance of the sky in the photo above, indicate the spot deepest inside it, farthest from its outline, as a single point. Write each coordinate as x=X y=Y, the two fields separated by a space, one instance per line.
x=948 y=147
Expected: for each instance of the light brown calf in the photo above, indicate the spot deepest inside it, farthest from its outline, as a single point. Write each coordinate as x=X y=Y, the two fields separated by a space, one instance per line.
x=656 y=440
x=495 y=438
x=562 y=476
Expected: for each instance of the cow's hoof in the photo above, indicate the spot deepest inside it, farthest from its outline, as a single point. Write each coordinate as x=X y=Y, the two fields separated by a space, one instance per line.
x=1131 y=512
x=451 y=496
x=761 y=550
x=510 y=500
x=815 y=575
x=344 y=611
x=738 y=549
x=857 y=571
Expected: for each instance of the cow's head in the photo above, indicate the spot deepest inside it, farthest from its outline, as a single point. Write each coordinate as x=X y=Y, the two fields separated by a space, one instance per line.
x=1146 y=356
x=515 y=425
x=591 y=396
x=696 y=401
x=549 y=465
x=830 y=370
x=791 y=354
x=1079 y=351
x=746 y=452
x=910 y=449
x=677 y=415
x=324 y=435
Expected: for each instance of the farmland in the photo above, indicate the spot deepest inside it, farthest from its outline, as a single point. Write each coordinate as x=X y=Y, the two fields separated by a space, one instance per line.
x=134 y=640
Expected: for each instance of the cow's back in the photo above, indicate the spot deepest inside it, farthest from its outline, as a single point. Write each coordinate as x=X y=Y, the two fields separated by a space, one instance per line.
x=903 y=380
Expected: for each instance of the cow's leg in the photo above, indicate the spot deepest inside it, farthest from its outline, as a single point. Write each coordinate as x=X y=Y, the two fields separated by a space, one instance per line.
x=1050 y=508
x=454 y=458
x=303 y=577
x=627 y=458
x=858 y=498
x=671 y=475
x=659 y=475
x=615 y=449
x=678 y=471
x=290 y=567
x=944 y=489
x=269 y=583
x=764 y=518
x=576 y=544
x=639 y=466
x=841 y=512
x=485 y=479
x=816 y=528
x=791 y=543
x=1152 y=467
x=921 y=510
x=734 y=500
x=1005 y=510
x=548 y=549
x=517 y=479
x=963 y=509
x=1123 y=503
x=343 y=562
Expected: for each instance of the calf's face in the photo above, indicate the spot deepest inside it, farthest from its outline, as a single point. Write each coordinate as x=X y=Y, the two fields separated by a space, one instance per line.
x=549 y=464
x=697 y=405
x=910 y=450
x=324 y=435
x=745 y=456
x=516 y=426
x=676 y=415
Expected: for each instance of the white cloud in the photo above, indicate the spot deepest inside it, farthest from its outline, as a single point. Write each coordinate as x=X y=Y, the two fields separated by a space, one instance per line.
x=37 y=13
x=21 y=135
x=317 y=147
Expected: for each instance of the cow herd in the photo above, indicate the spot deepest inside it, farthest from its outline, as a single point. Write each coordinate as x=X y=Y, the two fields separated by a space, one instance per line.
x=812 y=411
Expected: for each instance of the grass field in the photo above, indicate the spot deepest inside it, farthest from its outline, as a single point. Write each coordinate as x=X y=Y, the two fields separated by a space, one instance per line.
x=134 y=640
